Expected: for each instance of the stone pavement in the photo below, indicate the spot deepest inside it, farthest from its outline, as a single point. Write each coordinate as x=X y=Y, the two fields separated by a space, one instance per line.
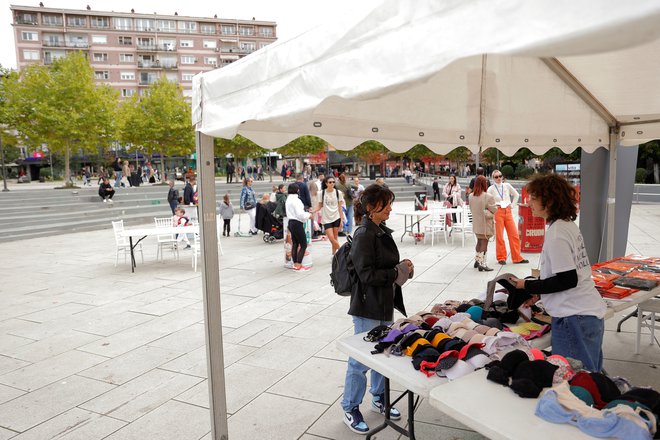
x=91 y=351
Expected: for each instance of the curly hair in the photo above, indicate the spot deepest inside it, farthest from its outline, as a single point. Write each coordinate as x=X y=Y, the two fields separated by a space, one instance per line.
x=374 y=196
x=557 y=196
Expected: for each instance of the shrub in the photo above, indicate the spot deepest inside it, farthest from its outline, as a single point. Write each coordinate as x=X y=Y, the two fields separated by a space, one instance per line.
x=507 y=171
x=44 y=173
x=523 y=172
x=640 y=175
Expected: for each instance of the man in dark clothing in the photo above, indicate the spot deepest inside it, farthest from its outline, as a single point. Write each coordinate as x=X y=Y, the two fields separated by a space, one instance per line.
x=470 y=189
x=303 y=192
x=229 y=169
x=173 y=196
x=436 y=190
x=106 y=191
x=189 y=192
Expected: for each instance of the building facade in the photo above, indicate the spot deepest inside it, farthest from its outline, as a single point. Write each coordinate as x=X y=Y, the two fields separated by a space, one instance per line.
x=129 y=51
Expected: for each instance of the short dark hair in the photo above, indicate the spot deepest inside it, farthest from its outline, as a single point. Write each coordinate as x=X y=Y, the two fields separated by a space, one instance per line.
x=557 y=196
x=480 y=171
x=374 y=197
x=293 y=188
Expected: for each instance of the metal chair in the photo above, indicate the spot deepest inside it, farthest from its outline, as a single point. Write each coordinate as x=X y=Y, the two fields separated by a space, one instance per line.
x=464 y=225
x=646 y=318
x=165 y=240
x=122 y=243
x=438 y=223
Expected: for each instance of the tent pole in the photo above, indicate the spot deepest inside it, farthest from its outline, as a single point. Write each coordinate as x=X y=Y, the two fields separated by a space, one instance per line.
x=611 y=192
x=211 y=286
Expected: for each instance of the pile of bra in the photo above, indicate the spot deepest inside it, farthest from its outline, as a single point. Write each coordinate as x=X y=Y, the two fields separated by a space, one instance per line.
x=632 y=415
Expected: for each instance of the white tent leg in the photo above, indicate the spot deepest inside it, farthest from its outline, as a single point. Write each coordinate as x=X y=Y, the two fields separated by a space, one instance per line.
x=611 y=193
x=211 y=286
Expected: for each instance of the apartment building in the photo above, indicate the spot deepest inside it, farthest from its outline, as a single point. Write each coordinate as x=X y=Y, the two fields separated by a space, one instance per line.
x=130 y=50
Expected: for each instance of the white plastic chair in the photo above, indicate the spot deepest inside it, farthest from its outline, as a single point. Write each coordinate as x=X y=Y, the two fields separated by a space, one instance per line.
x=196 y=251
x=652 y=307
x=463 y=224
x=438 y=223
x=122 y=243
x=165 y=240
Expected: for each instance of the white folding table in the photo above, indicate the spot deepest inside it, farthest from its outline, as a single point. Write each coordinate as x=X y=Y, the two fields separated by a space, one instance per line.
x=398 y=368
x=146 y=232
x=421 y=215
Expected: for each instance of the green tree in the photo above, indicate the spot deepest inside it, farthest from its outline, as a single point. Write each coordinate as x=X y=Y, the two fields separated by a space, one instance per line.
x=61 y=106
x=458 y=155
x=370 y=152
x=238 y=147
x=304 y=146
x=158 y=122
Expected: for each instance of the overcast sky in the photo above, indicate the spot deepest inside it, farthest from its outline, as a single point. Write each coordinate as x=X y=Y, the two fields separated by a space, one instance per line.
x=292 y=16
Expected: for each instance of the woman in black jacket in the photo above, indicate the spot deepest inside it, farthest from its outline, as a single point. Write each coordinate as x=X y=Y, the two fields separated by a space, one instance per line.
x=376 y=260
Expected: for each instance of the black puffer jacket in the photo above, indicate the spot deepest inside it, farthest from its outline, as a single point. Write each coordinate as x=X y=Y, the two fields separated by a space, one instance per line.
x=374 y=255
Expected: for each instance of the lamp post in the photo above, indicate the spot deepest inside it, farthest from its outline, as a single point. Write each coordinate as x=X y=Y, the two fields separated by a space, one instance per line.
x=4 y=167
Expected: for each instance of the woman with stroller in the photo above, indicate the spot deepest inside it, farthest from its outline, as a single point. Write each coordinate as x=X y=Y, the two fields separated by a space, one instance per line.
x=248 y=203
x=295 y=212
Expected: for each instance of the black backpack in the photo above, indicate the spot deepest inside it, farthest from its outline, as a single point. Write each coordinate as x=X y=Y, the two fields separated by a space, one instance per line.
x=343 y=275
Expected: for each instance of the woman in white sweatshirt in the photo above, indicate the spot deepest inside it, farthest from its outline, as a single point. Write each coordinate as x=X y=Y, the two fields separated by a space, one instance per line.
x=295 y=212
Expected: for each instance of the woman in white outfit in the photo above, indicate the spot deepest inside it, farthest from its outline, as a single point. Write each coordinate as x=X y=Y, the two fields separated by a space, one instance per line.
x=295 y=212
x=331 y=204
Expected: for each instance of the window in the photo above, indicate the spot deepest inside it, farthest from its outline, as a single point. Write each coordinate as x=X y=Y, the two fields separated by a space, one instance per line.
x=100 y=22
x=248 y=47
x=210 y=44
x=127 y=76
x=207 y=28
x=226 y=61
x=122 y=23
x=245 y=30
x=23 y=18
x=187 y=27
x=166 y=25
x=126 y=58
x=144 y=24
x=168 y=44
x=29 y=36
x=187 y=76
x=172 y=77
x=186 y=43
x=99 y=39
x=211 y=60
x=100 y=57
x=52 y=20
x=187 y=59
x=77 y=41
x=31 y=54
x=127 y=93
x=228 y=29
x=266 y=31
x=126 y=41
x=187 y=93
x=76 y=21
x=262 y=45
x=167 y=62
x=101 y=74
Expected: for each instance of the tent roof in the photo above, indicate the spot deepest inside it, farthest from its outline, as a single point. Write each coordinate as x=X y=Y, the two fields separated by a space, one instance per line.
x=482 y=73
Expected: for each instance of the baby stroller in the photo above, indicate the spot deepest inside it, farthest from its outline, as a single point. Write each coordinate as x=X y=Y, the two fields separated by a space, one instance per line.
x=268 y=223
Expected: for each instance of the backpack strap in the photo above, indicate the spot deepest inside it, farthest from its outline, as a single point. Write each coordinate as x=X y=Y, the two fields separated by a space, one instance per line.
x=322 y=197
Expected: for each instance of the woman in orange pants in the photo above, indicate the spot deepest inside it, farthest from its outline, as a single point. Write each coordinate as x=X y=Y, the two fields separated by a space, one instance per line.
x=506 y=197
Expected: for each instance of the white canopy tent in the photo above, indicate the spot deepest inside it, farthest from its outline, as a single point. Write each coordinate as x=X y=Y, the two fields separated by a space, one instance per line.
x=481 y=73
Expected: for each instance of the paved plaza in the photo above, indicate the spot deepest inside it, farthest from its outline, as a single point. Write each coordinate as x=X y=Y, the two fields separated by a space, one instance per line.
x=92 y=351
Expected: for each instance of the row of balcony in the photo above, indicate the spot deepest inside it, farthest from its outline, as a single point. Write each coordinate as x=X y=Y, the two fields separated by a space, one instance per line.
x=157 y=65
x=73 y=44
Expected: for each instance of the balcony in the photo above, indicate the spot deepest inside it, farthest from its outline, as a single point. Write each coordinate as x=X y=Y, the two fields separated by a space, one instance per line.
x=53 y=23
x=30 y=21
x=51 y=43
x=146 y=47
x=157 y=65
x=77 y=44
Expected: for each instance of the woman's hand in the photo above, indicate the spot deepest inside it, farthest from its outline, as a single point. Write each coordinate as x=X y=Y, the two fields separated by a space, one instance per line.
x=530 y=302
x=411 y=267
x=520 y=284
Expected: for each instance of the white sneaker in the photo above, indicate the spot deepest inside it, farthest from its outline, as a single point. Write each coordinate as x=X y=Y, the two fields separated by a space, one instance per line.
x=105 y=200
x=110 y=200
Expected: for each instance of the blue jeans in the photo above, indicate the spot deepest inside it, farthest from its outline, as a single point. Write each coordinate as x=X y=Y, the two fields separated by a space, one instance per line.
x=579 y=337
x=356 y=373
x=117 y=179
x=348 y=226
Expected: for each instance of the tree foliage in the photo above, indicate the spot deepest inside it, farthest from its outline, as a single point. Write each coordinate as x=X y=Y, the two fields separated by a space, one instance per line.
x=369 y=151
x=61 y=106
x=303 y=146
x=238 y=147
x=158 y=122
